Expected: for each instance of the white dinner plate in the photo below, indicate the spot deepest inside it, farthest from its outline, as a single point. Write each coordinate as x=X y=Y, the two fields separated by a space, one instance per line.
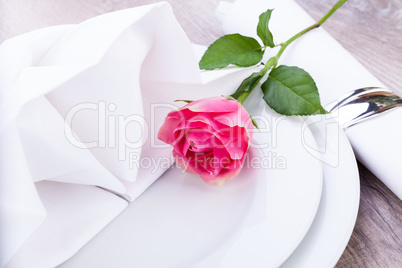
x=257 y=219
x=333 y=225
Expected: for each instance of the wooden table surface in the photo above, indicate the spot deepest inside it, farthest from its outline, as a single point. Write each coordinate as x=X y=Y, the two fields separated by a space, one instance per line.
x=371 y=30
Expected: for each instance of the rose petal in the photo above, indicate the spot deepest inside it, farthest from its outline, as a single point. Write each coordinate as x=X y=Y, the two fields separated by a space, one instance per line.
x=199 y=137
x=206 y=165
x=235 y=141
x=201 y=121
x=213 y=105
x=182 y=113
x=228 y=173
x=165 y=133
x=183 y=164
x=240 y=117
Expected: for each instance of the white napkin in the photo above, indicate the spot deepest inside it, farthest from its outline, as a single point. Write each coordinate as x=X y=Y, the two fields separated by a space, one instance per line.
x=376 y=142
x=80 y=108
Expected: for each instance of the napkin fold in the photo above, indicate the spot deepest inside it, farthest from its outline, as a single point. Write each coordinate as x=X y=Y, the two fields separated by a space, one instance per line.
x=80 y=108
x=335 y=71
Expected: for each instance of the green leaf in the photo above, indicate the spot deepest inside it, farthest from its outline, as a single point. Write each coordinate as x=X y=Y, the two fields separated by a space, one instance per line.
x=234 y=49
x=247 y=85
x=263 y=30
x=292 y=91
x=254 y=123
x=187 y=101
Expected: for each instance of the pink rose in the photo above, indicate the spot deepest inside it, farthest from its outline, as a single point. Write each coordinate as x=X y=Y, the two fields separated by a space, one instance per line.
x=210 y=137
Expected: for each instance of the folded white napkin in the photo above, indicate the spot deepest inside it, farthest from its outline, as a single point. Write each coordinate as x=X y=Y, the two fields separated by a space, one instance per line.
x=80 y=108
x=336 y=72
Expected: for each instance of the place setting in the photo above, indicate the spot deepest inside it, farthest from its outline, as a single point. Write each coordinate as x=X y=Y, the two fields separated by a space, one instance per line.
x=127 y=145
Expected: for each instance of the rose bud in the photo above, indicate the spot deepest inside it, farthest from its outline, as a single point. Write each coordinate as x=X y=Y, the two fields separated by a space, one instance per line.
x=210 y=137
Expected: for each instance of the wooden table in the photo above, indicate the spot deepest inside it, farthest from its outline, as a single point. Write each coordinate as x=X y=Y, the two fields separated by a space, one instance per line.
x=369 y=29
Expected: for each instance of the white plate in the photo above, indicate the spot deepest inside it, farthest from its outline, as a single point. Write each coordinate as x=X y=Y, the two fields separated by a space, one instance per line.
x=336 y=216
x=258 y=218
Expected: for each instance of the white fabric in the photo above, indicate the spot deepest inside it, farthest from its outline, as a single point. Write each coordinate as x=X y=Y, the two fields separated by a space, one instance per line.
x=75 y=214
x=376 y=142
x=77 y=106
